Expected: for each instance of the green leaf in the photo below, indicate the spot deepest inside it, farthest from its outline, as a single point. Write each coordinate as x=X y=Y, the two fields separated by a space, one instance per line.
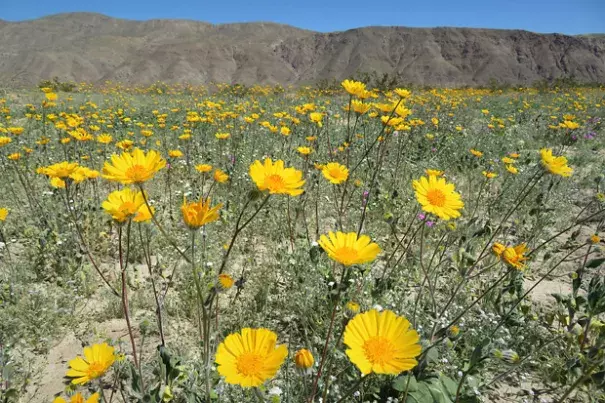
x=594 y=263
x=449 y=384
x=422 y=395
x=401 y=383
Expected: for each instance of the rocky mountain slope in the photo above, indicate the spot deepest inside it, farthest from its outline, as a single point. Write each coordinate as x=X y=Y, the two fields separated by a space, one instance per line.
x=95 y=48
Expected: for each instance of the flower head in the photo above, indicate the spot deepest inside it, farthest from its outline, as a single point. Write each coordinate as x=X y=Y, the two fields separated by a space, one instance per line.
x=60 y=170
x=136 y=167
x=220 y=176
x=203 y=168
x=78 y=398
x=348 y=249
x=123 y=204
x=513 y=256
x=476 y=153
x=225 y=281
x=354 y=87
x=335 y=172
x=304 y=359
x=198 y=214
x=3 y=214
x=382 y=343
x=512 y=169
x=304 y=150
x=438 y=197
x=250 y=357
x=97 y=359
x=275 y=178
x=555 y=165
x=352 y=307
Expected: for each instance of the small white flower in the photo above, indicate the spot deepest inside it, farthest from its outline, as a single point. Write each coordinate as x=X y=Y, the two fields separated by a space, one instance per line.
x=275 y=391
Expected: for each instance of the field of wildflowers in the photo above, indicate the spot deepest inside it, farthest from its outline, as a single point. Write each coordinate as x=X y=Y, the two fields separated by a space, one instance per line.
x=238 y=244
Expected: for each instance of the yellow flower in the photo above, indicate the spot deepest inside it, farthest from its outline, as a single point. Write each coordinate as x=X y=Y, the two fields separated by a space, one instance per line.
x=97 y=359
x=489 y=175
x=434 y=172
x=304 y=359
x=360 y=107
x=61 y=170
x=15 y=130
x=123 y=204
x=144 y=214
x=335 y=172
x=476 y=153
x=382 y=343
x=136 y=167
x=317 y=117
x=512 y=169
x=250 y=358
x=3 y=214
x=403 y=93
x=304 y=150
x=285 y=131
x=78 y=398
x=277 y=179
x=438 y=197
x=354 y=87
x=513 y=256
x=225 y=281
x=198 y=214
x=568 y=124
x=555 y=165
x=220 y=176
x=594 y=238
x=352 y=307
x=104 y=138
x=175 y=153
x=514 y=155
x=5 y=140
x=348 y=249
x=203 y=168
x=57 y=183
x=508 y=160
x=222 y=136
x=50 y=96
x=14 y=156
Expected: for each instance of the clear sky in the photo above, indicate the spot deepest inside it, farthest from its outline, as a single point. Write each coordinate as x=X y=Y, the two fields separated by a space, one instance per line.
x=563 y=16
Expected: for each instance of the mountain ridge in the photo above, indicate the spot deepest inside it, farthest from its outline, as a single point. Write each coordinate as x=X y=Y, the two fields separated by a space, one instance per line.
x=95 y=48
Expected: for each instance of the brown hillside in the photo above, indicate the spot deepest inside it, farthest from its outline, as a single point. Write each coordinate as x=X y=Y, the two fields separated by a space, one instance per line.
x=94 y=48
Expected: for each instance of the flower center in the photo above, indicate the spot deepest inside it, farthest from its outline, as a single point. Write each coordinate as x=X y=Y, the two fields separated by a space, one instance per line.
x=275 y=183
x=436 y=197
x=128 y=208
x=137 y=173
x=95 y=369
x=378 y=350
x=335 y=173
x=249 y=364
x=346 y=255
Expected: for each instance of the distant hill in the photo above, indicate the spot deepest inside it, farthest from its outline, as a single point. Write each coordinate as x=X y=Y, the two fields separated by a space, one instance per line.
x=94 y=48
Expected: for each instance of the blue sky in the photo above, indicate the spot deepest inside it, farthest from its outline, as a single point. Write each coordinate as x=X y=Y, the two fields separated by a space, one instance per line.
x=563 y=16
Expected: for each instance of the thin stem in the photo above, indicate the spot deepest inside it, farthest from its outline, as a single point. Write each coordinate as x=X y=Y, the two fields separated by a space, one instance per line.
x=171 y=241
x=125 y=297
